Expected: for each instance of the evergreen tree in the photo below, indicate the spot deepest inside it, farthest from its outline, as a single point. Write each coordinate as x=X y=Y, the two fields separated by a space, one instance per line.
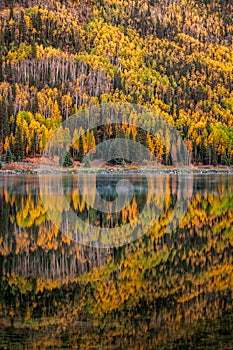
x=1 y=71
x=66 y=160
x=139 y=156
x=22 y=27
x=81 y=149
x=9 y=157
x=87 y=163
x=122 y=146
x=214 y=157
x=132 y=150
x=18 y=147
x=224 y=159
x=113 y=154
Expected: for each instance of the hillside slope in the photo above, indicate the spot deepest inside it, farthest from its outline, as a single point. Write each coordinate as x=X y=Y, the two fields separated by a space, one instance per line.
x=173 y=56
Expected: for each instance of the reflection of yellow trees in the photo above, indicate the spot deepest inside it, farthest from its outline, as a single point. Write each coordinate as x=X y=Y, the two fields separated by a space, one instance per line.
x=31 y=213
x=54 y=188
x=190 y=266
x=51 y=204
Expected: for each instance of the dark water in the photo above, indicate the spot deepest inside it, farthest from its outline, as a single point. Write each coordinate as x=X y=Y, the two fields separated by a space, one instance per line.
x=170 y=287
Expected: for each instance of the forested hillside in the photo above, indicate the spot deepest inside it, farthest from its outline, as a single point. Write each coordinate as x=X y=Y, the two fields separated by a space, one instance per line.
x=173 y=56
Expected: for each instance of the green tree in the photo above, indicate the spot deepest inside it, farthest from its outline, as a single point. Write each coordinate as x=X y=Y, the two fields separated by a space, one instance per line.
x=87 y=163
x=81 y=149
x=19 y=147
x=66 y=160
x=9 y=157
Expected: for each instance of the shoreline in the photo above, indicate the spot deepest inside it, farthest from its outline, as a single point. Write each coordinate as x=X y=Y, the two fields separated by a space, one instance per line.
x=117 y=171
x=33 y=166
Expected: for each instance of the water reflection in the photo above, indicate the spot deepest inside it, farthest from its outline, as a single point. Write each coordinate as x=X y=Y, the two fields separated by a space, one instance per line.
x=165 y=289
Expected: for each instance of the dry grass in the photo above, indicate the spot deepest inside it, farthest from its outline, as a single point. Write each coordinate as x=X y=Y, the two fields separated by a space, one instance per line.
x=16 y=166
x=33 y=160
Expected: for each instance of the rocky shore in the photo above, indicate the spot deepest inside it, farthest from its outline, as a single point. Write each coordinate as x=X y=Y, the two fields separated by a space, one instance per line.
x=37 y=170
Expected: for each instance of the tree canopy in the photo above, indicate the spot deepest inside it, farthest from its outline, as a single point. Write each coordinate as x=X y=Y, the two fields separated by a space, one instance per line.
x=174 y=57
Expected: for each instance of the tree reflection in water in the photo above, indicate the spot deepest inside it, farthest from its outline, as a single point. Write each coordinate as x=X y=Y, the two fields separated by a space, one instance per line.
x=164 y=289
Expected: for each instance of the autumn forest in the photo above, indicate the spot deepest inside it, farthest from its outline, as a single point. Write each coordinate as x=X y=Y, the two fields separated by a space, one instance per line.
x=174 y=57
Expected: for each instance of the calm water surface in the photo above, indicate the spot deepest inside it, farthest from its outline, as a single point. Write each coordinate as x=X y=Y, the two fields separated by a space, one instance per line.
x=165 y=290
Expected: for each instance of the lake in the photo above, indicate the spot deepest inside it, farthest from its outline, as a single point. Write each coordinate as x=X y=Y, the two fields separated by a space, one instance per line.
x=153 y=270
